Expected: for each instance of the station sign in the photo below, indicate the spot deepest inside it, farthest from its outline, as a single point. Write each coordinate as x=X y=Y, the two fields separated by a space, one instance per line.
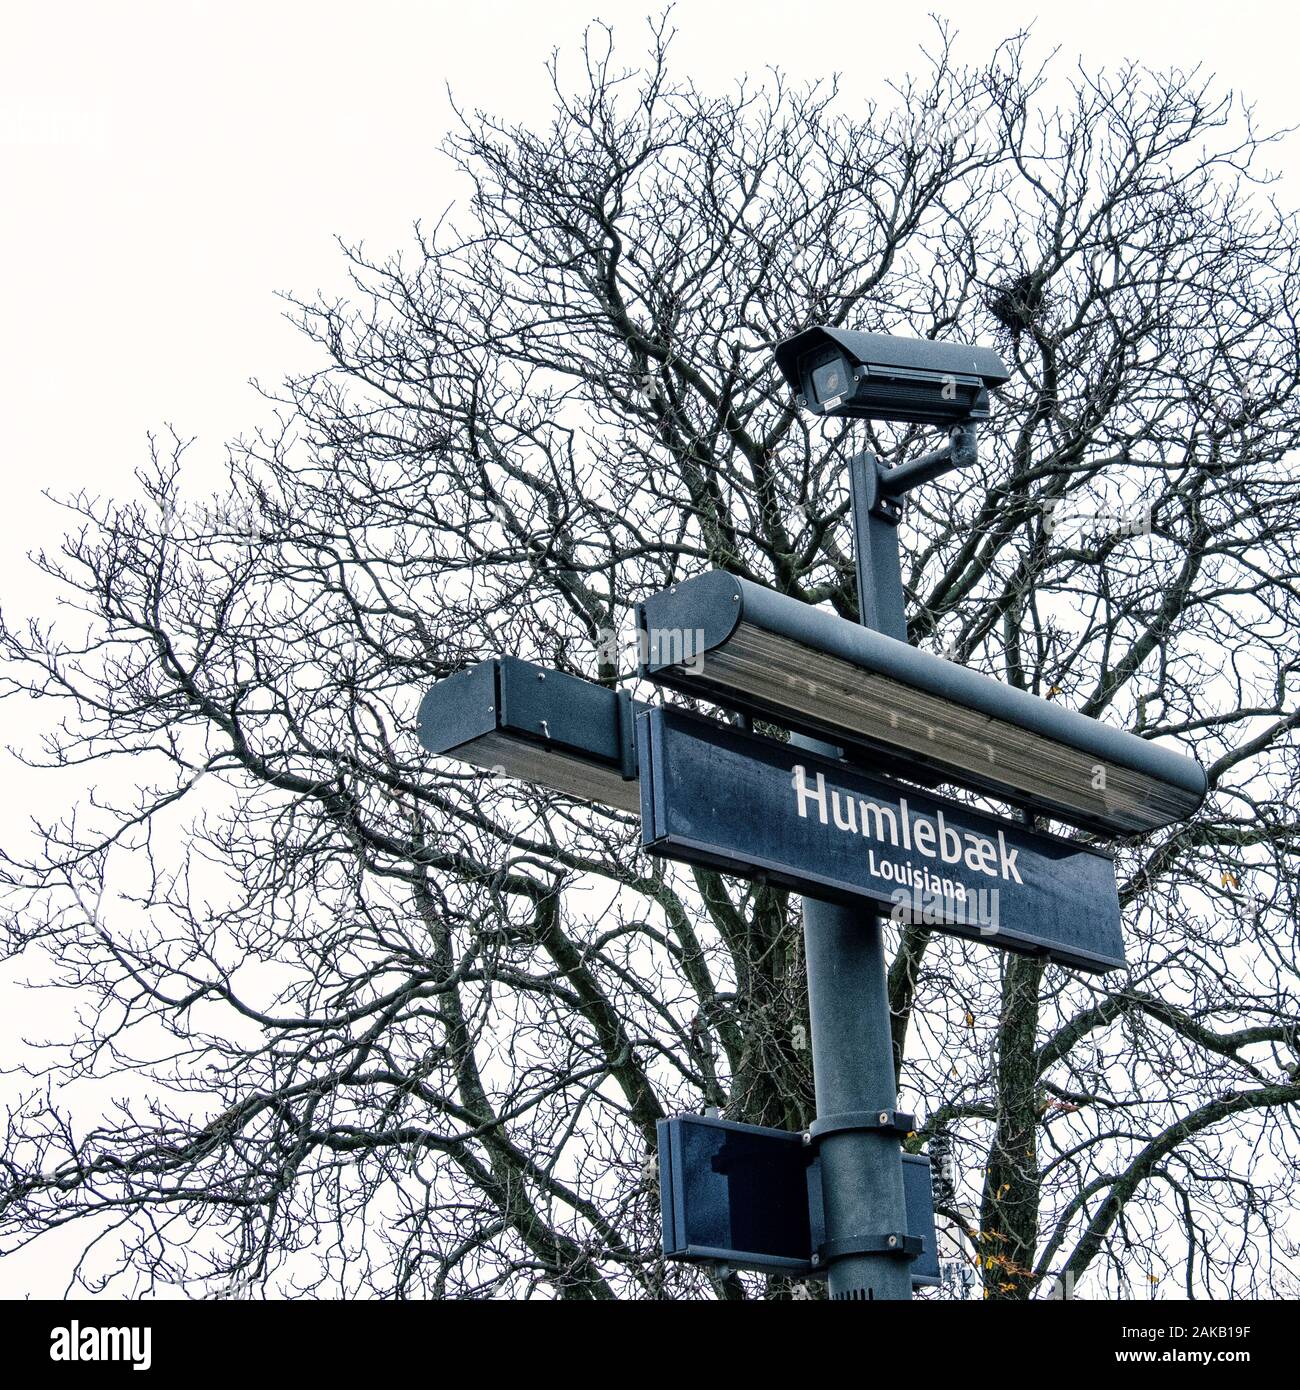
x=757 y=808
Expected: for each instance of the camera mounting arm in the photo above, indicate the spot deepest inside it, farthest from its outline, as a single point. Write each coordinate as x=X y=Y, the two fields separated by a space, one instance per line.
x=875 y=495
x=961 y=451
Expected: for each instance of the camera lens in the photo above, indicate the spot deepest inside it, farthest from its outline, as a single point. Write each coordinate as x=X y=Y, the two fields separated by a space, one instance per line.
x=828 y=379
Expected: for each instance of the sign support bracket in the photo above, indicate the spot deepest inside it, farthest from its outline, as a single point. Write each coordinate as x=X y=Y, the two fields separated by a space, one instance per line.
x=884 y=1122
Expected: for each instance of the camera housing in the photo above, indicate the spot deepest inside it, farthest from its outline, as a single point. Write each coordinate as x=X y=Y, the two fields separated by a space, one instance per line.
x=839 y=373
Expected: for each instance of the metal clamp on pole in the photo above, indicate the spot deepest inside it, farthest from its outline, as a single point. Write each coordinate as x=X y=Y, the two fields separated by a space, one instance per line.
x=896 y=1243
x=858 y=1121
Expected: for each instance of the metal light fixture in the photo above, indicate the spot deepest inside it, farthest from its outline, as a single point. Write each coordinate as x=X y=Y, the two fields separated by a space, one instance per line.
x=746 y=647
x=508 y=716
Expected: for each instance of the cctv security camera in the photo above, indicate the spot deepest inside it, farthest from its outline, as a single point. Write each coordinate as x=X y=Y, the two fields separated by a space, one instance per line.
x=873 y=376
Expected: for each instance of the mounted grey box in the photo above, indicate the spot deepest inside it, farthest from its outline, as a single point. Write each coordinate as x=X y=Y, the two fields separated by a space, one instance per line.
x=539 y=725
x=751 y=1197
x=745 y=647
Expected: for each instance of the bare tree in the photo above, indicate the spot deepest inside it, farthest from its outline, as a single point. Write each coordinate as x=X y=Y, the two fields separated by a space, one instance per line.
x=389 y=1025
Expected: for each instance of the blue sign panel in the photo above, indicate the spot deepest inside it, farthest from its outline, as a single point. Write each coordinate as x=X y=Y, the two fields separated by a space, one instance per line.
x=756 y=808
x=751 y=1197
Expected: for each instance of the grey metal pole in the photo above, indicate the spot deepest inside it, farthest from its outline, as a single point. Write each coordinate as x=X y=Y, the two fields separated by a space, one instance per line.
x=848 y=1002
x=853 y=1071
x=875 y=550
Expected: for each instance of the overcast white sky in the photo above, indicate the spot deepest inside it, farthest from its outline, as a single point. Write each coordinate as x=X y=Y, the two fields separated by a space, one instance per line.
x=166 y=167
